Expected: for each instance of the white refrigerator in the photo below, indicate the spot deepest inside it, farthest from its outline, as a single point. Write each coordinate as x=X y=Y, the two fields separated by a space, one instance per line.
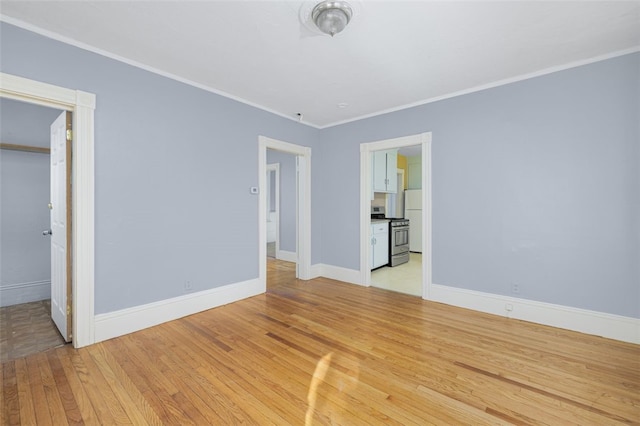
x=413 y=212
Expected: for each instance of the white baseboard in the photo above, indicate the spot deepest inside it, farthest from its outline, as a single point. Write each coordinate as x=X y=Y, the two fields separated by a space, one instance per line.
x=15 y=294
x=287 y=256
x=125 y=321
x=316 y=271
x=590 y=322
x=346 y=275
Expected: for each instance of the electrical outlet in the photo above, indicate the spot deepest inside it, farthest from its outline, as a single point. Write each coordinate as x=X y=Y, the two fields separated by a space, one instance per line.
x=508 y=307
x=515 y=288
x=187 y=286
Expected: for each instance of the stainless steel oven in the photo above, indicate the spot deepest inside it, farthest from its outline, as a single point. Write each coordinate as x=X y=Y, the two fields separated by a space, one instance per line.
x=398 y=241
x=398 y=236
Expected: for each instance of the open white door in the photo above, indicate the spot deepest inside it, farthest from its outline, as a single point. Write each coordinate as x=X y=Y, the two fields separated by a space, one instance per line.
x=61 y=224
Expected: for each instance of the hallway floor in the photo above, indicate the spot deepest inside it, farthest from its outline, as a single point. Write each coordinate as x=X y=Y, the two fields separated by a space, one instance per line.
x=27 y=329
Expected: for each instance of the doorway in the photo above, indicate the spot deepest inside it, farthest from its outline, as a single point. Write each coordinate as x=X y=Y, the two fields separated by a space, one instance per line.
x=82 y=106
x=26 y=325
x=422 y=140
x=302 y=173
x=282 y=197
x=404 y=274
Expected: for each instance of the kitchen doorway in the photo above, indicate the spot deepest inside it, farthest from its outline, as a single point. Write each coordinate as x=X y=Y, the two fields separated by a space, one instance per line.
x=402 y=274
x=367 y=194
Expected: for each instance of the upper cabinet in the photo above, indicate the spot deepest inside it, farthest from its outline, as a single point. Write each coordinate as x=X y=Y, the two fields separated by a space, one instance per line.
x=385 y=171
x=414 y=166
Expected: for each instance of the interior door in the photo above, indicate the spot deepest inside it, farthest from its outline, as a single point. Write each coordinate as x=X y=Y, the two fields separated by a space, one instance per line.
x=61 y=224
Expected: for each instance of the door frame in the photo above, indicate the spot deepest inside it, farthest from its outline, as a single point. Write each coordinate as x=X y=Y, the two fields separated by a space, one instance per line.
x=275 y=168
x=82 y=106
x=303 y=206
x=366 y=149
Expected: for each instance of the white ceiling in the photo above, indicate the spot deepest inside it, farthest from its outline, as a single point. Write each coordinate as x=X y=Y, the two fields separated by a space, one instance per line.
x=394 y=54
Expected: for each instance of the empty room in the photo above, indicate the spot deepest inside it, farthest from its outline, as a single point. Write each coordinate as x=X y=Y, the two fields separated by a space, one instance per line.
x=320 y=212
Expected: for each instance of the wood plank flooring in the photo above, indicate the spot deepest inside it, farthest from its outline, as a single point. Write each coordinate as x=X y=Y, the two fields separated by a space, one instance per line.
x=325 y=352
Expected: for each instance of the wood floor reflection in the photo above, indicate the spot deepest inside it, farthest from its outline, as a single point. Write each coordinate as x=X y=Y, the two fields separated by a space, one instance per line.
x=326 y=352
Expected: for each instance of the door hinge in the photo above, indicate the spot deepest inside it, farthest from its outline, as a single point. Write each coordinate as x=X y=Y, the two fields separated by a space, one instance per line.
x=68 y=310
x=69 y=134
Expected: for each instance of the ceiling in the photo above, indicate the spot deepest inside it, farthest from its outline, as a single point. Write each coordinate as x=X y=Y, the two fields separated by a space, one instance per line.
x=393 y=54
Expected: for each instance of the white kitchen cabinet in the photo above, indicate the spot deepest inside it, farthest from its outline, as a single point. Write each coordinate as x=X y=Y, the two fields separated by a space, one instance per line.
x=379 y=244
x=385 y=171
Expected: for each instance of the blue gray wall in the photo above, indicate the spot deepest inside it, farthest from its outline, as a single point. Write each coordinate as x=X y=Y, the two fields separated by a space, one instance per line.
x=25 y=256
x=287 y=197
x=25 y=124
x=173 y=164
x=25 y=265
x=535 y=183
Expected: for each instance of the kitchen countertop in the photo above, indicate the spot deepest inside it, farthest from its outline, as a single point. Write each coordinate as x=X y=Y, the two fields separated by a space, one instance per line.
x=379 y=220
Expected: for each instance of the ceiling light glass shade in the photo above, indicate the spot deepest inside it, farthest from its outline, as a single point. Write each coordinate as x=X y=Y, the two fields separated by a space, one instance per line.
x=331 y=17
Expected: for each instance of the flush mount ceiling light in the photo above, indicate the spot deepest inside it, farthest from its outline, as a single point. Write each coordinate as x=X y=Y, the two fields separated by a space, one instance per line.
x=331 y=17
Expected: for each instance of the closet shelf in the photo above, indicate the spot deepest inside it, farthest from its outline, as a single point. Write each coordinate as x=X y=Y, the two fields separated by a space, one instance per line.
x=25 y=148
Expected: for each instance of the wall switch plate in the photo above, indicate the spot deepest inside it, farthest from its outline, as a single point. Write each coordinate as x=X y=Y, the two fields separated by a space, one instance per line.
x=253 y=189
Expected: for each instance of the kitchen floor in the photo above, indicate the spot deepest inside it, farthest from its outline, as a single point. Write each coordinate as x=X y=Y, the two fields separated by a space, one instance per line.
x=405 y=278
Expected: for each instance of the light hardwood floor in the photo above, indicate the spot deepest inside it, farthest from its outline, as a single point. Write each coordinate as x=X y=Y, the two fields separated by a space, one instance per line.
x=324 y=352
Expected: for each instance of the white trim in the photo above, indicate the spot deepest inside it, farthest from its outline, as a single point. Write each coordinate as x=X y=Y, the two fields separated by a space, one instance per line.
x=303 y=215
x=303 y=198
x=427 y=206
x=287 y=256
x=75 y=43
x=82 y=104
x=316 y=270
x=482 y=87
x=125 y=321
x=15 y=294
x=275 y=167
x=423 y=139
x=584 y=321
x=351 y=276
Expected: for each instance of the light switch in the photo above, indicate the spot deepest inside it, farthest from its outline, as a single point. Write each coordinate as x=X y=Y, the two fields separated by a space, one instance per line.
x=253 y=189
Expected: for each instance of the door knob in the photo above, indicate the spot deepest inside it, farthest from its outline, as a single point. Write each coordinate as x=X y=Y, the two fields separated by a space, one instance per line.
x=47 y=232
